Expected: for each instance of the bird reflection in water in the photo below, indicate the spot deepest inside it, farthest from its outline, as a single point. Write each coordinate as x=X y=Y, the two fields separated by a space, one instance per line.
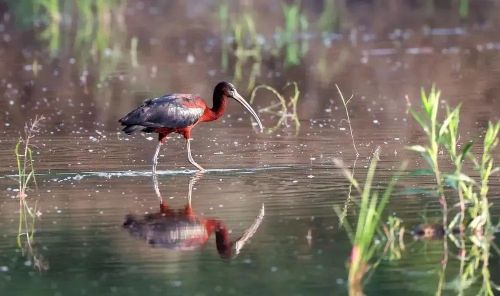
x=184 y=230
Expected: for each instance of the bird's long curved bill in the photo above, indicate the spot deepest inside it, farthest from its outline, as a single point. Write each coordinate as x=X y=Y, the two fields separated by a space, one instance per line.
x=247 y=106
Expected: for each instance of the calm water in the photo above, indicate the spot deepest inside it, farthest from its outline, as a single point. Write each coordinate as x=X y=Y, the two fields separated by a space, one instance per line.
x=90 y=176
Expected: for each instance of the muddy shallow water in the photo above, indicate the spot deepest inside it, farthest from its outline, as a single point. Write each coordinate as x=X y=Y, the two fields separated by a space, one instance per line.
x=90 y=176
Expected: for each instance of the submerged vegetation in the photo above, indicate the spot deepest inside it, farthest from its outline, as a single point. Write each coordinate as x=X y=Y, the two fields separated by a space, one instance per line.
x=394 y=232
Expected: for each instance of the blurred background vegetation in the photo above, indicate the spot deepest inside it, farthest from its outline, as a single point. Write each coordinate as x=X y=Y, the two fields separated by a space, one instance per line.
x=116 y=53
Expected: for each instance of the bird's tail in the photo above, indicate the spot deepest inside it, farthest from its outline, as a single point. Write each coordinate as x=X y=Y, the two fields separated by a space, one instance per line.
x=129 y=129
x=129 y=122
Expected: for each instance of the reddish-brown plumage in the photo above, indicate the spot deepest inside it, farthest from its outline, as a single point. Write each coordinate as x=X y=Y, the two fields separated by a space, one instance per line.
x=209 y=114
x=179 y=113
x=213 y=114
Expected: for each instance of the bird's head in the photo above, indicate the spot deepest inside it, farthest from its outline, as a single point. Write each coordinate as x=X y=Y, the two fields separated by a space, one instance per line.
x=228 y=90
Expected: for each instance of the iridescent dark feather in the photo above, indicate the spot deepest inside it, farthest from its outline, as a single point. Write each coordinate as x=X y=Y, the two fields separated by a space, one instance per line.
x=173 y=111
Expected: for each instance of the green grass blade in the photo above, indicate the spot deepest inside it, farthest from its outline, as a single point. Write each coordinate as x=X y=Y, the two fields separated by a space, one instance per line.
x=465 y=151
x=420 y=121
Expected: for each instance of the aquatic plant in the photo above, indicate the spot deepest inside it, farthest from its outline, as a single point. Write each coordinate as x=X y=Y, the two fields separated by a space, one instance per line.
x=90 y=38
x=284 y=108
x=223 y=15
x=486 y=169
x=393 y=228
x=250 y=54
x=289 y=37
x=394 y=235
x=445 y=134
x=429 y=122
x=369 y=220
x=245 y=47
x=24 y=156
x=482 y=228
x=348 y=119
x=329 y=21
x=247 y=50
x=52 y=32
x=345 y=103
x=48 y=13
x=26 y=175
x=97 y=39
x=371 y=207
x=463 y=8
x=474 y=214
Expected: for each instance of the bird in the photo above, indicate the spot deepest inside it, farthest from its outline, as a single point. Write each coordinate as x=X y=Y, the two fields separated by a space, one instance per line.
x=180 y=113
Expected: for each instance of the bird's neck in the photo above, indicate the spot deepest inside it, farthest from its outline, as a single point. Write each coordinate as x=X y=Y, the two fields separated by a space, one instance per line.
x=224 y=245
x=218 y=108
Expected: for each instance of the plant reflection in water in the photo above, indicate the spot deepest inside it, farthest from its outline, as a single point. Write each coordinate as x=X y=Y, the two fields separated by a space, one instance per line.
x=184 y=230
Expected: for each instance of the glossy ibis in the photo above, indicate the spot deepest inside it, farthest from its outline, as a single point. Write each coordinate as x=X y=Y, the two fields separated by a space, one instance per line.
x=179 y=113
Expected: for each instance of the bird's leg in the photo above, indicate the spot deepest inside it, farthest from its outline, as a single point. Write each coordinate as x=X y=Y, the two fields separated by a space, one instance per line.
x=190 y=191
x=193 y=181
x=188 y=210
x=155 y=157
x=157 y=189
x=191 y=160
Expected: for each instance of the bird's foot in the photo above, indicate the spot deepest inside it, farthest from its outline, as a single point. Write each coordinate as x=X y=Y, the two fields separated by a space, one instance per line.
x=200 y=168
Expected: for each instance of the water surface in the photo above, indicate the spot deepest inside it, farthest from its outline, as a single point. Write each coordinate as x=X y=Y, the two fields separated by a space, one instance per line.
x=90 y=176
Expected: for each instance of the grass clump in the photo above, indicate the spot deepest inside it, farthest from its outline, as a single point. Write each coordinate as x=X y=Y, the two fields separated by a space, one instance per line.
x=473 y=218
x=475 y=258
x=480 y=210
x=442 y=136
x=371 y=207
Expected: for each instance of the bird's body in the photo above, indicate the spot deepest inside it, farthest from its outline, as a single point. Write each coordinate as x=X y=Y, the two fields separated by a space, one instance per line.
x=178 y=230
x=166 y=114
x=179 y=113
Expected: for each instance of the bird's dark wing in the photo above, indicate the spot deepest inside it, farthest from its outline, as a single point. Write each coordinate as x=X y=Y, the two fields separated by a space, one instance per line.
x=168 y=111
